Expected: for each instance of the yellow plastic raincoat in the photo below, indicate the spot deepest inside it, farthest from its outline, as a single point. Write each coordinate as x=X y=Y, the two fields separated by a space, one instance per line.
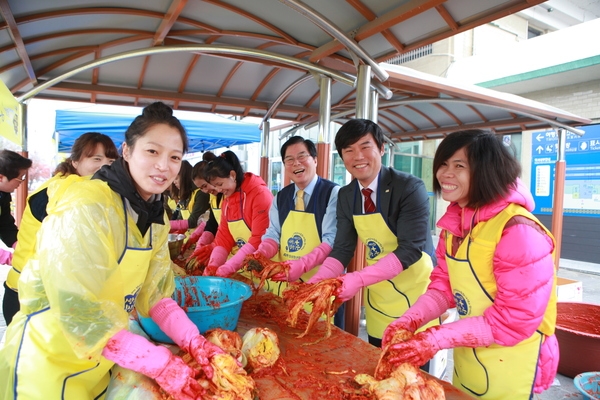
x=76 y=293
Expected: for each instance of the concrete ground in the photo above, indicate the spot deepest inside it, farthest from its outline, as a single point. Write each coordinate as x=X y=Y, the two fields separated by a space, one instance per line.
x=587 y=273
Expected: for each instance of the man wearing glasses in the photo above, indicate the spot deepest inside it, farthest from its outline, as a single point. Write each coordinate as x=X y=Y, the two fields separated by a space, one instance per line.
x=13 y=171
x=302 y=217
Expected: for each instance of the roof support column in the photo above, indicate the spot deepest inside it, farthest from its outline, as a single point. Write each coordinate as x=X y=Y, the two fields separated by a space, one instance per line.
x=363 y=84
x=324 y=141
x=559 y=195
x=357 y=263
x=374 y=105
x=264 y=151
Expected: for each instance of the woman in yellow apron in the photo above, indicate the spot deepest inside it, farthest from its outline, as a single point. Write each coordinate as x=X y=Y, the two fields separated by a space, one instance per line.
x=204 y=235
x=90 y=151
x=495 y=265
x=245 y=216
x=192 y=202
x=102 y=250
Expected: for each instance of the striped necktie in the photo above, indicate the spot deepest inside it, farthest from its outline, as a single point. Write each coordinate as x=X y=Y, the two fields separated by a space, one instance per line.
x=369 y=205
x=300 y=200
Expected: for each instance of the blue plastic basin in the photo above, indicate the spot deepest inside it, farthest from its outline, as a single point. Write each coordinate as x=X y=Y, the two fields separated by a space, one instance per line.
x=210 y=302
x=588 y=384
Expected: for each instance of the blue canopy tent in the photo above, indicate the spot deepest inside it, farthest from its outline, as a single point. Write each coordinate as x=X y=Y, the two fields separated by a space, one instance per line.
x=202 y=135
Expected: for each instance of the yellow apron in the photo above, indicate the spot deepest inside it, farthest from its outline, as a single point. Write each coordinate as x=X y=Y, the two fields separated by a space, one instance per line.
x=295 y=244
x=216 y=208
x=240 y=232
x=171 y=203
x=484 y=371
x=61 y=375
x=187 y=211
x=386 y=301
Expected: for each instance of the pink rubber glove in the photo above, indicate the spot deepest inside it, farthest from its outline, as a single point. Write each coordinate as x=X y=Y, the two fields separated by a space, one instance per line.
x=268 y=248
x=174 y=322
x=194 y=237
x=217 y=258
x=331 y=268
x=235 y=262
x=206 y=238
x=136 y=353
x=179 y=225
x=6 y=257
x=305 y=263
x=467 y=332
x=386 y=268
x=428 y=306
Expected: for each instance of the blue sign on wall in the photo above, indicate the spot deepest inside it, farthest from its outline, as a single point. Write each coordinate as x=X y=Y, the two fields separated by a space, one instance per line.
x=582 y=180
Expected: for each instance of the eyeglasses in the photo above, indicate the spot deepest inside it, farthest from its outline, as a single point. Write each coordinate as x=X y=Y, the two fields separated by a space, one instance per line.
x=21 y=179
x=300 y=158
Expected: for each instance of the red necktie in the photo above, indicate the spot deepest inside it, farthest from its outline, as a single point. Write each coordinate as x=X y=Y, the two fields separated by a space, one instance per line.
x=369 y=205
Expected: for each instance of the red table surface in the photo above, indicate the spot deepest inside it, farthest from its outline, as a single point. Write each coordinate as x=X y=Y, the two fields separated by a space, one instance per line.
x=316 y=371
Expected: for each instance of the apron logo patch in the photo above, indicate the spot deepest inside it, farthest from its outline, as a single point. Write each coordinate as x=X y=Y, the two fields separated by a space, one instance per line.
x=375 y=248
x=295 y=243
x=130 y=300
x=240 y=242
x=462 y=304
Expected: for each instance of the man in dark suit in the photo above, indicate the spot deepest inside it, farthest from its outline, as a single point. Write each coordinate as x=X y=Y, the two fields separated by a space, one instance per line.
x=389 y=211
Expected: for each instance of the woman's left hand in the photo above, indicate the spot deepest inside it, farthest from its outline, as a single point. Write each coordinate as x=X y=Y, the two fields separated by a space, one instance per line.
x=417 y=351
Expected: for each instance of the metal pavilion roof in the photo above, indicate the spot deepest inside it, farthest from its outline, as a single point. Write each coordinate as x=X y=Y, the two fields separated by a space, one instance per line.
x=244 y=57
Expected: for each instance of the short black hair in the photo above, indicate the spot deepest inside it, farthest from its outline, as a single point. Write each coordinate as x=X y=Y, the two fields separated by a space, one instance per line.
x=493 y=167
x=310 y=146
x=353 y=130
x=11 y=164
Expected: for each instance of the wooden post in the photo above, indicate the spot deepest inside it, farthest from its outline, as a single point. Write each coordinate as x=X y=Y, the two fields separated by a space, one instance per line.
x=324 y=160
x=557 y=209
x=559 y=195
x=21 y=195
x=353 y=305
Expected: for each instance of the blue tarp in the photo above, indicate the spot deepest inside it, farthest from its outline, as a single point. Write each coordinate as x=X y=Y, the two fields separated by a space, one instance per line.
x=203 y=135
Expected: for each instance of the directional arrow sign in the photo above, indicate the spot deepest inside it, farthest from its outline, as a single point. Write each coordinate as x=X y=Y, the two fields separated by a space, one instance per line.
x=539 y=149
x=539 y=137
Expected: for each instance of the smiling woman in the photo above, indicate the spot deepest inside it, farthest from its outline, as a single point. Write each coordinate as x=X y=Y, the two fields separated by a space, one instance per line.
x=102 y=251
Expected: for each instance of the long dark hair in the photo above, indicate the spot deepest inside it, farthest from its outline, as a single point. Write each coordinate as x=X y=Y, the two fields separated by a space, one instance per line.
x=222 y=166
x=84 y=146
x=493 y=167
x=186 y=186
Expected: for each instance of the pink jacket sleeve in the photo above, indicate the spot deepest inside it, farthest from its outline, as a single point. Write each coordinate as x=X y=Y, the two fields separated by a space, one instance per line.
x=524 y=273
x=258 y=208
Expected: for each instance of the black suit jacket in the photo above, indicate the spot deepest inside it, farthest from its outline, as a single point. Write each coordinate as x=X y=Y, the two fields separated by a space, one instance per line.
x=404 y=205
x=8 y=229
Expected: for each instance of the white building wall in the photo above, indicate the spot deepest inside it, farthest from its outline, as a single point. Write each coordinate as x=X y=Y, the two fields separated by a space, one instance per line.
x=580 y=99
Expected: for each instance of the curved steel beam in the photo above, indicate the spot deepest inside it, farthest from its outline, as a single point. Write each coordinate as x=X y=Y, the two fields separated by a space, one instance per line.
x=282 y=96
x=341 y=36
x=203 y=48
x=550 y=122
x=387 y=104
x=381 y=89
